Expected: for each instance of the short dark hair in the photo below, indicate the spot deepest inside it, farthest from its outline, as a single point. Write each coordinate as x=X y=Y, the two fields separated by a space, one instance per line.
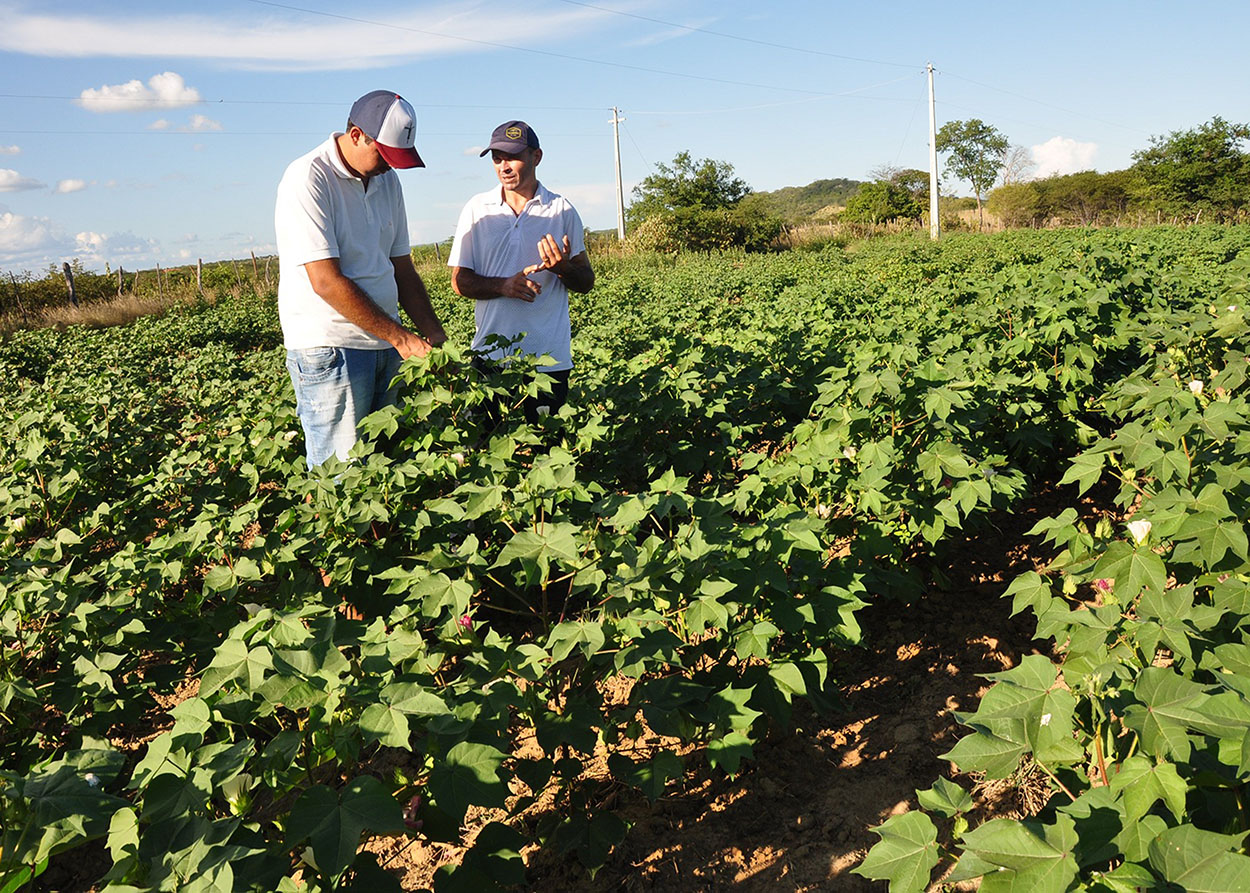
x=350 y=125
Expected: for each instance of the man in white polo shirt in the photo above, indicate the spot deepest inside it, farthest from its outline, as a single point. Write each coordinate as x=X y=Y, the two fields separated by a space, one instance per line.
x=519 y=250
x=345 y=268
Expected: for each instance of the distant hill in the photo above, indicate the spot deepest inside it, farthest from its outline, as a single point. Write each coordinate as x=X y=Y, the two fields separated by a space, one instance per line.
x=796 y=204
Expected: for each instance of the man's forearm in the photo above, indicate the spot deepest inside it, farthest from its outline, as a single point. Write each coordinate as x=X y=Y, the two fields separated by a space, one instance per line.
x=358 y=308
x=415 y=299
x=577 y=274
x=469 y=284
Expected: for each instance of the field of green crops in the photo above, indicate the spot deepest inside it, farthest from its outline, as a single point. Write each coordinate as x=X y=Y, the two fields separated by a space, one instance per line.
x=756 y=448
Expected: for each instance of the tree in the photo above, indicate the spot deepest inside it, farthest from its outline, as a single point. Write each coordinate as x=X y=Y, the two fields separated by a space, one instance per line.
x=975 y=152
x=1018 y=165
x=1015 y=204
x=881 y=202
x=704 y=185
x=1204 y=169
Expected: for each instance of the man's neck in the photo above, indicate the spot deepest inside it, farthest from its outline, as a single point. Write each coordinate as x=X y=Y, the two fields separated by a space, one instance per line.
x=339 y=144
x=517 y=199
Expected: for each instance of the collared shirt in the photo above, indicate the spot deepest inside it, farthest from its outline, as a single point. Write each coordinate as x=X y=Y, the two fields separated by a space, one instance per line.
x=324 y=211
x=493 y=241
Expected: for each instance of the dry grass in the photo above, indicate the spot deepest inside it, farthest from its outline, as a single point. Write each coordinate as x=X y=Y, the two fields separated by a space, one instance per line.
x=99 y=314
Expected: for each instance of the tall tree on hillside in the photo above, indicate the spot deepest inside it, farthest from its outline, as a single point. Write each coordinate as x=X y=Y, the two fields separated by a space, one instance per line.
x=1204 y=169
x=974 y=152
x=703 y=185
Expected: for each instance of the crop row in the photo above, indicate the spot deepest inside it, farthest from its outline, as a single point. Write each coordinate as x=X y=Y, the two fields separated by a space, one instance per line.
x=757 y=448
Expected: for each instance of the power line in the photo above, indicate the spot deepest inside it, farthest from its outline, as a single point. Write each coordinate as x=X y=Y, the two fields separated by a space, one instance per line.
x=845 y=94
x=548 y=53
x=766 y=43
x=1040 y=102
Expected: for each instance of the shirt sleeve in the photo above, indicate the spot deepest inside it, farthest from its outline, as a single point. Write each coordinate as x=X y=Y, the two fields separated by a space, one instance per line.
x=303 y=219
x=574 y=229
x=402 y=246
x=461 y=254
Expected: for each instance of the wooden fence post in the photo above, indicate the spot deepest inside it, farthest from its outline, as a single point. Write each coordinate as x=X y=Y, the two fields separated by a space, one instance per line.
x=69 y=283
x=199 y=276
x=438 y=254
x=267 y=260
x=119 y=280
x=160 y=284
x=17 y=293
x=238 y=280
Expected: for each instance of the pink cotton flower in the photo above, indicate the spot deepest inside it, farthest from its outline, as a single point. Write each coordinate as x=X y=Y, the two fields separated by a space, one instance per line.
x=1104 y=584
x=466 y=623
x=411 y=822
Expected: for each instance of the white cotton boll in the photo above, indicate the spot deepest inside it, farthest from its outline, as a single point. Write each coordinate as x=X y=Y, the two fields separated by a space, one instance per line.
x=1140 y=530
x=1195 y=387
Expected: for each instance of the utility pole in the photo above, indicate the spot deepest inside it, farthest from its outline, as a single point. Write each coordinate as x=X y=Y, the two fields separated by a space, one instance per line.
x=620 y=193
x=934 y=226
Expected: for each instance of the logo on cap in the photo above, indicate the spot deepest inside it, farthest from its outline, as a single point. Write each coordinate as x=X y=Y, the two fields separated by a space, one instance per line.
x=513 y=133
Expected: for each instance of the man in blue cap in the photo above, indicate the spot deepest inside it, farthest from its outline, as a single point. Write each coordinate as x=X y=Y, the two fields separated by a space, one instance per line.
x=345 y=268
x=519 y=249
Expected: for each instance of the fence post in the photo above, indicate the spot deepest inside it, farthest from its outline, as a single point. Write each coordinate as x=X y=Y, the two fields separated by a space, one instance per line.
x=160 y=284
x=199 y=276
x=238 y=280
x=17 y=296
x=119 y=280
x=438 y=254
x=69 y=283
x=267 y=260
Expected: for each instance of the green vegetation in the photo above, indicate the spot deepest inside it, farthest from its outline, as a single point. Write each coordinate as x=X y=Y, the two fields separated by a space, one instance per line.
x=974 y=152
x=758 y=445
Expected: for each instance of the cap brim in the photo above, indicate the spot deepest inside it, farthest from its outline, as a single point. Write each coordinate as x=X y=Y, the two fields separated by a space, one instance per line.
x=399 y=158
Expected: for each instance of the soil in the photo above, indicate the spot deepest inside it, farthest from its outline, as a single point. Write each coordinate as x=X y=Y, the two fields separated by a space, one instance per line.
x=798 y=817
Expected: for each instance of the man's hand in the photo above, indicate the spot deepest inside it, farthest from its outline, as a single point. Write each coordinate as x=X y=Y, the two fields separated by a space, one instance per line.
x=412 y=346
x=520 y=286
x=550 y=254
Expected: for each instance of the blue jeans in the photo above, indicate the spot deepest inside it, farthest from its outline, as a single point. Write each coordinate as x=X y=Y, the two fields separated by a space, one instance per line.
x=336 y=387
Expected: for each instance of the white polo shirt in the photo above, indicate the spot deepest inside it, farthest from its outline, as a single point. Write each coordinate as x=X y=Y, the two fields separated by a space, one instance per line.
x=493 y=241
x=324 y=211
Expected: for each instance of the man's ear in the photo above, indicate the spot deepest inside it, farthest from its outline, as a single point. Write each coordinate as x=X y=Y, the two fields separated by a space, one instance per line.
x=538 y=156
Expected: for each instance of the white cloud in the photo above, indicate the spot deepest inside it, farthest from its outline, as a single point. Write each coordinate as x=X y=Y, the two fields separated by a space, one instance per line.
x=99 y=248
x=10 y=150
x=12 y=181
x=162 y=91
x=1063 y=155
x=159 y=124
x=71 y=185
x=473 y=151
x=25 y=240
x=288 y=41
x=200 y=123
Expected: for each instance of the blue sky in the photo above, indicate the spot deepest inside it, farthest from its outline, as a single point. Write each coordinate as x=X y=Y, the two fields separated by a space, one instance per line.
x=141 y=132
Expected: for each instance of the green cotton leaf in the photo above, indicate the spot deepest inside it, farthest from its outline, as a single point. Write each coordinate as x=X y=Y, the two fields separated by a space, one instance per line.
x=495 y=858
x=1135 y=838
x=332 y=822
x=1169 y=706
x=386 y=725
x=1212 y=538
x=905 y=855
x=728 y=752
x=587 y=635
x=753 y=642
x=649 y=776
x=706 y=611
x=1040 y=857
x=1029 y=590
x=945 y=798
x=557 y=541
x=1133 y=570
x=1085 y=470
x=468 y=776
x=233 y=660
x=219 y=579
x=1200 y=861
x=986 y=752
x=1141 y=784
x=411 y=698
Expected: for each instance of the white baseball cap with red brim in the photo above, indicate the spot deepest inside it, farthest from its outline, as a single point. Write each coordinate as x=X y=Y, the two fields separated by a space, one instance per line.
x=389 y=120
